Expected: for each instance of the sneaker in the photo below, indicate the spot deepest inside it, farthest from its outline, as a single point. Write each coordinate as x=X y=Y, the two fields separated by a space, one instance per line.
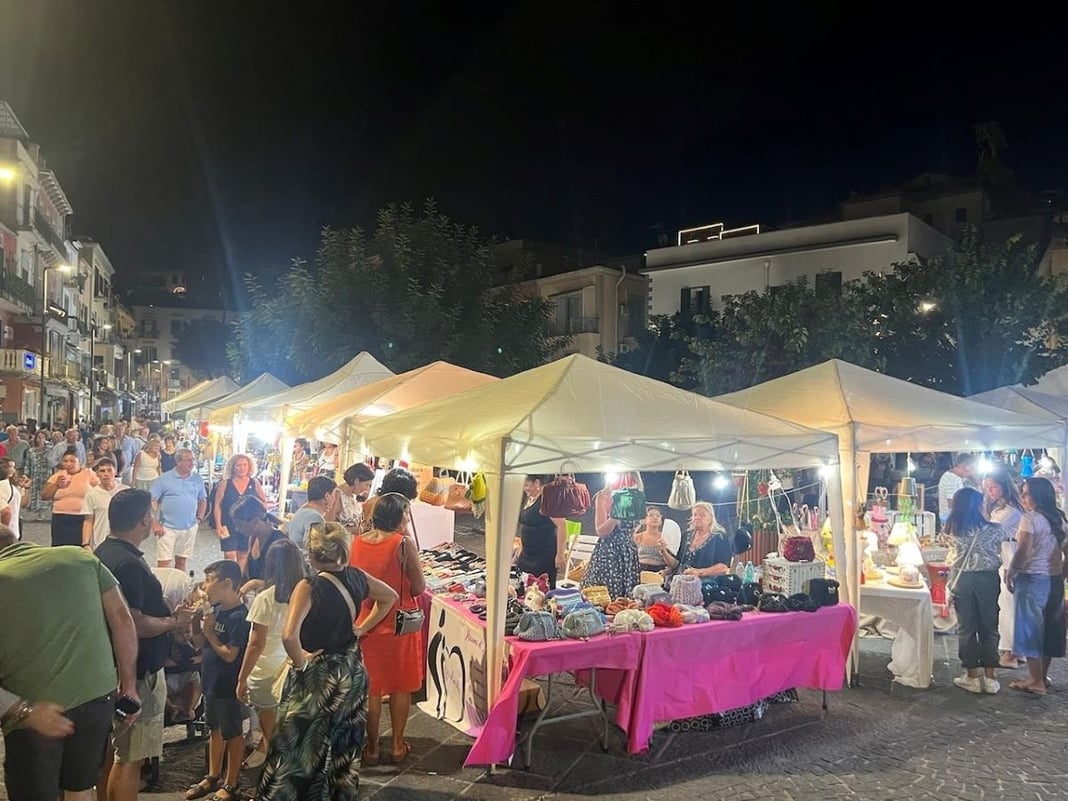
x=972 y=685
x=991 y=686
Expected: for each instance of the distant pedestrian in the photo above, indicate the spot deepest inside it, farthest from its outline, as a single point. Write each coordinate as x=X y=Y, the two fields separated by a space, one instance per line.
x=952 y=480
x=71 y=440
x=321 y=498
x=66 y=489
x=14 y=495
x=181 y=502
x=17 y=448
x=39 y=469
x=238 y=481
x=97 y=502
x=146 y=468
x=167 y=455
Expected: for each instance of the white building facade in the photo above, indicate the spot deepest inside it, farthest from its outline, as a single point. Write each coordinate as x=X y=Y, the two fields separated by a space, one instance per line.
x=697 y=276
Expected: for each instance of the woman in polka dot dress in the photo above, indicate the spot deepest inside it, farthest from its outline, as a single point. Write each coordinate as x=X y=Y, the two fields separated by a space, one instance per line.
x=614 y=562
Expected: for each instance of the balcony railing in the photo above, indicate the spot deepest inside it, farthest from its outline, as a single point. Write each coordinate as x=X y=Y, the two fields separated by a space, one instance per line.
x=45 y=229
x=574 y=325
x=17 y=290
x=65 y=372
x=17 y=360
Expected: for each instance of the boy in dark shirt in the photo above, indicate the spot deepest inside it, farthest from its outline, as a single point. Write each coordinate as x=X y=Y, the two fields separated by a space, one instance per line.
x=223 y=634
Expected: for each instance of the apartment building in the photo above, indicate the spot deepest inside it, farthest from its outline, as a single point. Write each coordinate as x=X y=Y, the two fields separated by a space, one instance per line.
x=696 y=275
x=158 y=373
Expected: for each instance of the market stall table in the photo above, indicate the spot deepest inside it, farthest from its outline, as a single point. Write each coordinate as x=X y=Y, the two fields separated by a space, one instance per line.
x=726 y=664
x=495 y=739
x=912 y=654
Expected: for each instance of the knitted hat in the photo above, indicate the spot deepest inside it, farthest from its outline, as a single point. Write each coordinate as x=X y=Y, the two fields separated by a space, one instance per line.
x=692 y=614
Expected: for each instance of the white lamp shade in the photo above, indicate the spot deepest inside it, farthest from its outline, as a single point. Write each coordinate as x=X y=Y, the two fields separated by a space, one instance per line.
x=908 y=554
x=900 y=533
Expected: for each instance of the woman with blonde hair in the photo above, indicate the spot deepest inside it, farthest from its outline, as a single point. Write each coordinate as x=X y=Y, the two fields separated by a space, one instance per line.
x=614 y=562
x=238 y=481
x=707 y=550
x=146 y=466
x=315 y=752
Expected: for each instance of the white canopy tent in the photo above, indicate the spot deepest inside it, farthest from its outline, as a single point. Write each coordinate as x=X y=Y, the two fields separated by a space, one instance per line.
x=1055 y=382
x=338 y=420
x=362 y=370
x=874 y=413
x=222 y=409
x=212 y=391
x=1027 y=400
x=593 y=416
x=168 y=404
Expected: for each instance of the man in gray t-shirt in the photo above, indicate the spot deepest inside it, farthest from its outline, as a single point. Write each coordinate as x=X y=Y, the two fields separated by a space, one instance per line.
x=320 y=498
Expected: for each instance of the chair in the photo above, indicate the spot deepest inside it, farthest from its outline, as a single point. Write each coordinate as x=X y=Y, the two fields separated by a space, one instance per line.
x=579 y=553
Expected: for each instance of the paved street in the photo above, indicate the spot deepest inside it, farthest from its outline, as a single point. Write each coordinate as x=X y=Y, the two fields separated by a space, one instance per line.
x=876 y=743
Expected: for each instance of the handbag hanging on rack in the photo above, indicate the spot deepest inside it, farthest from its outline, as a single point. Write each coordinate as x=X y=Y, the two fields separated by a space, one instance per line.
x=683 y=495
x=564 y=497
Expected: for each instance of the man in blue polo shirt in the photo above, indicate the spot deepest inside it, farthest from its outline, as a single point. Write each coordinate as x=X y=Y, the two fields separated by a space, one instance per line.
x=181 y=502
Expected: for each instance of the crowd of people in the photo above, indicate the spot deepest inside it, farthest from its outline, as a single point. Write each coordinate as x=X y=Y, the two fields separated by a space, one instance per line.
x=302 y=626
x=1008 y=546
x=296 y=625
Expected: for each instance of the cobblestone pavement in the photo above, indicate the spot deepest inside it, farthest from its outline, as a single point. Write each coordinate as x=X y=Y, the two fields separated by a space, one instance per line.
x=877 y=742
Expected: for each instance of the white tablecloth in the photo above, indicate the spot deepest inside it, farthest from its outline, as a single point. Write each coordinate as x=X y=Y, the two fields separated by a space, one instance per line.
x=912 y=655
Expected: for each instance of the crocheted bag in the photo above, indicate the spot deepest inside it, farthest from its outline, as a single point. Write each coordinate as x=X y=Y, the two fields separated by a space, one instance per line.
x=583 y=624
x=537 y=627
x=632 y=620
x=686 y=590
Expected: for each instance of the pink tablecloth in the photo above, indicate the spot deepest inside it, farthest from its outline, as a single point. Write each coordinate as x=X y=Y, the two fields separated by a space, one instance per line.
x=496 y=743
x=713 y=667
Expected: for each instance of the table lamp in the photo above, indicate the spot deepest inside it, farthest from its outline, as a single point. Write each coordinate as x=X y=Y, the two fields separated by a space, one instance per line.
x=909 y=559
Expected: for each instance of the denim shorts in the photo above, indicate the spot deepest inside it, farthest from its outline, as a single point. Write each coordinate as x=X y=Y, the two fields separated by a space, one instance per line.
x=1032 y=597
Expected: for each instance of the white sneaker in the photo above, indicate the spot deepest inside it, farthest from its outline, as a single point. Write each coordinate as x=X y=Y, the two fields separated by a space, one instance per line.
x=972 y=685
x=991 y=686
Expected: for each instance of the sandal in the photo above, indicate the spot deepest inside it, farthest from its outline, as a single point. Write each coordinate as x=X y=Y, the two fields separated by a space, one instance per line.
x=398 y=758
x=368 y=761
x=232 y=793
x=199 y=790
x=1024 y=688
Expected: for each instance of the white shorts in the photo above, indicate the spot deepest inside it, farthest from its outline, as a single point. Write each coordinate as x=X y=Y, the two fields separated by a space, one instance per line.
x=176 y=542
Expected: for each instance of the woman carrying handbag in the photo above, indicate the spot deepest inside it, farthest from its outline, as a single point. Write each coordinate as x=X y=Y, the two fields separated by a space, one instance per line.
x=395 y=661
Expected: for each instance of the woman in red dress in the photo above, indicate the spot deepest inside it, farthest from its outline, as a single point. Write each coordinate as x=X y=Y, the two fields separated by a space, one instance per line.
x=395 y=663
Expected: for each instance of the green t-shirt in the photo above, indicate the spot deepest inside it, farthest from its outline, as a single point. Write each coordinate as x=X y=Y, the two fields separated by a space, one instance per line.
x=55 y=644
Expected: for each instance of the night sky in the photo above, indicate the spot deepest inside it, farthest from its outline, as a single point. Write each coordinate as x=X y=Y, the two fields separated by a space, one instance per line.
x=219 y=136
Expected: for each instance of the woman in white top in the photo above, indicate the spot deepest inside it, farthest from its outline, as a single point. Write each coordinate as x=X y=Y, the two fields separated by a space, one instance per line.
x=13 y=495
x=283 y=570
x=146 y=464
x=1001 y=504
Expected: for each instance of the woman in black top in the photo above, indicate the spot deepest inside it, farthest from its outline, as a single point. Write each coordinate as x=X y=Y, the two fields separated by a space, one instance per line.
x=250 y=519
x=310 y=758
x=542 y=539
x=706 y=551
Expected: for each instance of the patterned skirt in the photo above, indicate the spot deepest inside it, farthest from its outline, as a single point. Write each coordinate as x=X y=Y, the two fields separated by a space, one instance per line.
x=316 y=749
x=614 y=562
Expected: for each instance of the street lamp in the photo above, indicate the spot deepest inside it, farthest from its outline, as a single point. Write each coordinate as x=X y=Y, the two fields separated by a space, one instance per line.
x=62 y=268
x=8 y=175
